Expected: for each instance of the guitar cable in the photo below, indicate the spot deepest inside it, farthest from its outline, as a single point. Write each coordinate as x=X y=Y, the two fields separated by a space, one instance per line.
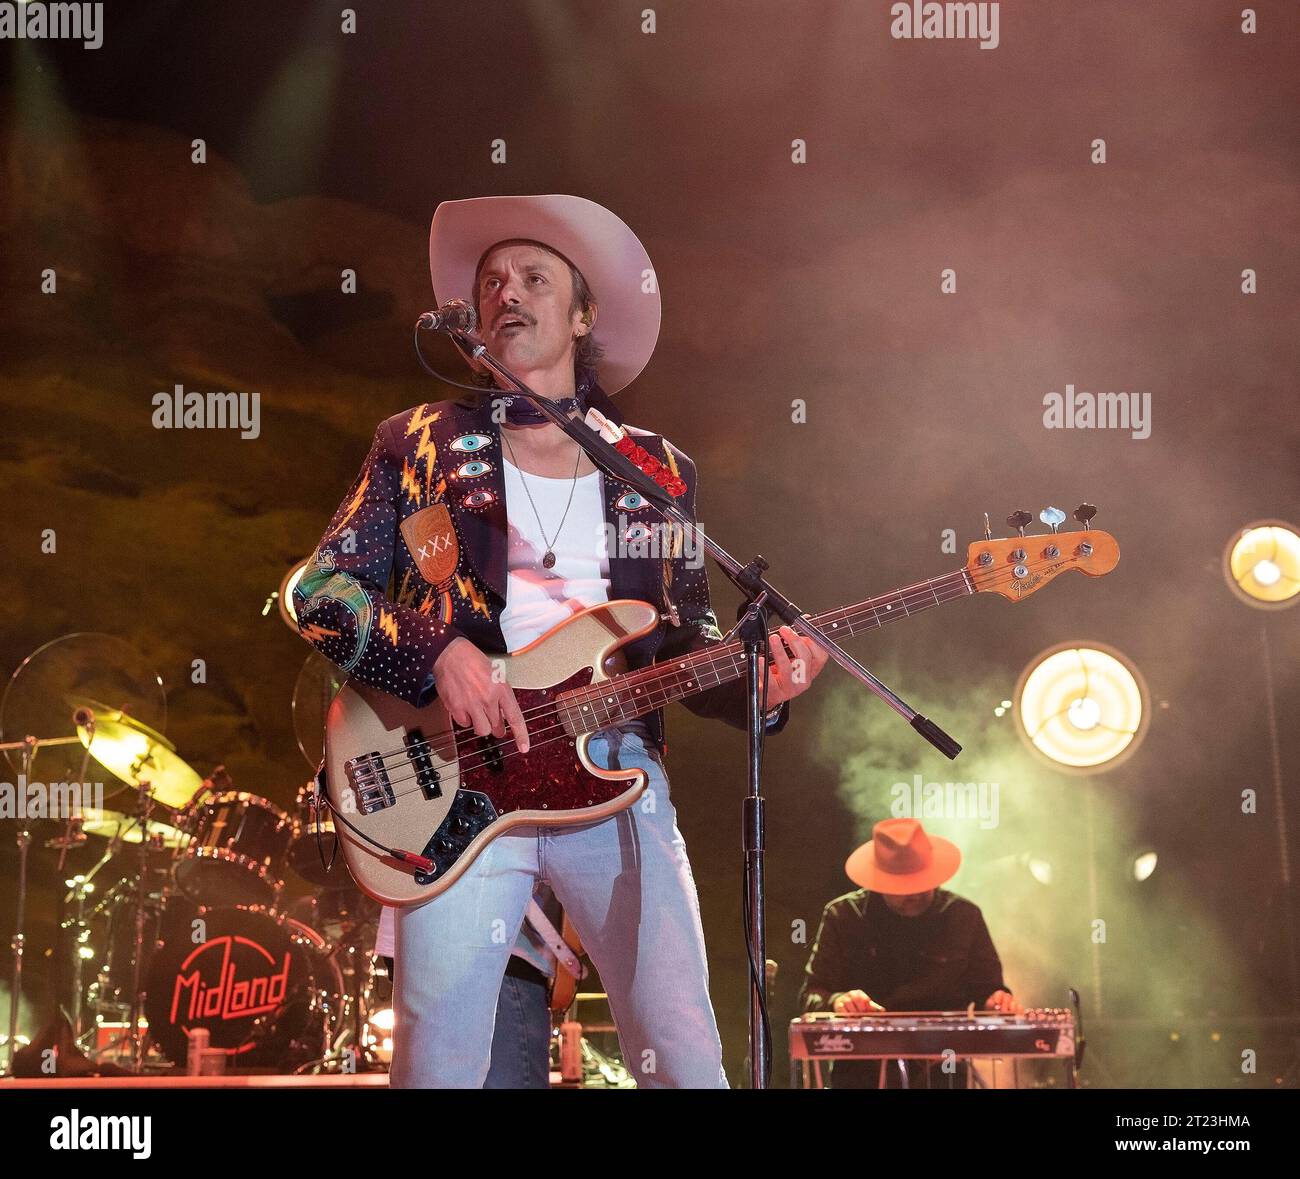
x=421 y=863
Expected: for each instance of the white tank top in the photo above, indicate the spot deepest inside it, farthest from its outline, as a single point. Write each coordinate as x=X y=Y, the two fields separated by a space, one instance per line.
x=538 y=598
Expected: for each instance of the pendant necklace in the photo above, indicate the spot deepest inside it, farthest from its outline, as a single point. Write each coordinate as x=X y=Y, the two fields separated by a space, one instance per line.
x=548 y=558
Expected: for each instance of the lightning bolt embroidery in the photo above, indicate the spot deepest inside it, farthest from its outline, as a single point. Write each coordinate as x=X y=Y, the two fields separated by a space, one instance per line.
x=410 y=483
x=388 y=626
x=470 y=593
x=353 y=504
x=420 y=419
x=427 y=450
x=406 y=592
x=317 y=634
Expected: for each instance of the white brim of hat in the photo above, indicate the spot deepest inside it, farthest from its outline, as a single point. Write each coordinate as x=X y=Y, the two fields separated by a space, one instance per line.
x=609 y=255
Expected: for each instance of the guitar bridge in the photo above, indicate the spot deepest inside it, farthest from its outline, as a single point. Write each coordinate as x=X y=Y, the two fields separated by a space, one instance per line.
x=369 y=779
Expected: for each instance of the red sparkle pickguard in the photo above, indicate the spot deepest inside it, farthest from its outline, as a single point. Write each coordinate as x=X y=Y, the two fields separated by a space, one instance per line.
x=549 y=776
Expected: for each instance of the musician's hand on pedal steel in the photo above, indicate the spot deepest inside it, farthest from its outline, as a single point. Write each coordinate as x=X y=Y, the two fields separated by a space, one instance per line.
x=1004 y=1001
x=855 y=1003
x=473 y=698
x=791 y=673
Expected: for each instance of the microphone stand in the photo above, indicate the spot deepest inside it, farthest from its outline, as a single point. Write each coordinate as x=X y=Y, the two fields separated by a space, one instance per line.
x=762 y=595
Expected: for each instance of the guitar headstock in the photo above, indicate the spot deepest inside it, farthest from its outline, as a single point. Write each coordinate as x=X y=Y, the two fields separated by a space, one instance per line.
x=1021 y=565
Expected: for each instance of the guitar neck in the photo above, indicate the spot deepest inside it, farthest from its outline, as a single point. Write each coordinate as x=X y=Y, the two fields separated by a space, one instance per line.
x=636 y=693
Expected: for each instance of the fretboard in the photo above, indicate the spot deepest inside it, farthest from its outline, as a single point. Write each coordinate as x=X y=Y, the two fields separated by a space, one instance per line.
x=636 y=693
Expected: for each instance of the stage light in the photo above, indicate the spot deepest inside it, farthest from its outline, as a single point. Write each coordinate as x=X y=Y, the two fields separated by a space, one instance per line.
x=1144 y=865
x=1261 y=564
x=378 y=1034
x=1085 y=713
x=1082 y=708
x=1041 y=870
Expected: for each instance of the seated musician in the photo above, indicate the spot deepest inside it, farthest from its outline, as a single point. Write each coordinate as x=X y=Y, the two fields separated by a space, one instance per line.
x=902 y=943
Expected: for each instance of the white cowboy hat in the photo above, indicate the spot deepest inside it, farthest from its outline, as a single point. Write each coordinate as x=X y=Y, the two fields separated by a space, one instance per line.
x=609 y=255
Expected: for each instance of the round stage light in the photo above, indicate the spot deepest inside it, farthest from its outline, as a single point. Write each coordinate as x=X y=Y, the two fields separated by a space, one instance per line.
x=1261 y=564
x=1082 y=708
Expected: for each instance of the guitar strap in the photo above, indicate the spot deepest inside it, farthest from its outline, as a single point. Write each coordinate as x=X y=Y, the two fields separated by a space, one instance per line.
x=554 y=942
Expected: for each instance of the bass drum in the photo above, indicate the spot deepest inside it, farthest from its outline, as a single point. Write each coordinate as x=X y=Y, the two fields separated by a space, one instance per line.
x=266 y=987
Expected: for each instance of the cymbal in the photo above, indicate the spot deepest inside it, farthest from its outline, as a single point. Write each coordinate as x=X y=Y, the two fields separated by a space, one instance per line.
x=318 y=683
x=84 y=664
x=110 y=823
x=135 y=753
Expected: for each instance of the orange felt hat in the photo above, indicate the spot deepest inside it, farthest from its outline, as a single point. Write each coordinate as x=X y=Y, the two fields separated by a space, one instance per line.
x=901 y=859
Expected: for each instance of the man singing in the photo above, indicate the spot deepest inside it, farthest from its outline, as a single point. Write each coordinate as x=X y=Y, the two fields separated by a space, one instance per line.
x=494 y=532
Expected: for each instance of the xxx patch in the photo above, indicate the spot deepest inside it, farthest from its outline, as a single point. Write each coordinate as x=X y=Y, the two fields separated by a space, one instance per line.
x=431 y=538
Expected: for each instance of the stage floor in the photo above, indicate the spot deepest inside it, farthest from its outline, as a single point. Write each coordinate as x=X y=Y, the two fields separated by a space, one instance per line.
x=249 y=1081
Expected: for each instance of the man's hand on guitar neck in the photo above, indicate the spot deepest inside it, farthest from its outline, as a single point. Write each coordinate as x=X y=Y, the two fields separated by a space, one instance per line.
x=792 y=673
x=473 y=698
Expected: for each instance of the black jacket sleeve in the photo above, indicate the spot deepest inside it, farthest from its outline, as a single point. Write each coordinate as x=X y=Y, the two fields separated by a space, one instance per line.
x=825 y=974
x=341 y=599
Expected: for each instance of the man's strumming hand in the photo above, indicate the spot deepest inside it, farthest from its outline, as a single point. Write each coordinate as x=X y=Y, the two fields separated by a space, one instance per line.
x=473 y=697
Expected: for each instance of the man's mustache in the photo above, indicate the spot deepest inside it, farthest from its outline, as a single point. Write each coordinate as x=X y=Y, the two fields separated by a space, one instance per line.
x=525 y=319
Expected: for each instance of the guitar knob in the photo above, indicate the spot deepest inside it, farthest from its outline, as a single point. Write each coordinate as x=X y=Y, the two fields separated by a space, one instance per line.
x=1018 y=520
x=1084 y=513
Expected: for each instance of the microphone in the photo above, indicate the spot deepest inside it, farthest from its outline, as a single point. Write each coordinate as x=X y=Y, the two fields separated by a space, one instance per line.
x=454 y=316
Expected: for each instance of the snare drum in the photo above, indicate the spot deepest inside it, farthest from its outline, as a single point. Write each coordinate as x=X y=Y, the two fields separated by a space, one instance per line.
x=237 y=850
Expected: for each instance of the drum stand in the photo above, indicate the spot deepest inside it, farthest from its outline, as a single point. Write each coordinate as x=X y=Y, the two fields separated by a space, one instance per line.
x=365 y=1058
x=17 y=944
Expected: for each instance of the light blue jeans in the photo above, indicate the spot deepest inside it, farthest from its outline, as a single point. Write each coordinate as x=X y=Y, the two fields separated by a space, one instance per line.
x=627 y=886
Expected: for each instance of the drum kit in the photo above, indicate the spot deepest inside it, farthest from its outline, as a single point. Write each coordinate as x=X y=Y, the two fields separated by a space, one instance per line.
x=183 y=931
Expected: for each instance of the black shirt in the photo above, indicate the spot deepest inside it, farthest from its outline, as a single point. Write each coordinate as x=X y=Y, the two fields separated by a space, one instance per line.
x=943 y=960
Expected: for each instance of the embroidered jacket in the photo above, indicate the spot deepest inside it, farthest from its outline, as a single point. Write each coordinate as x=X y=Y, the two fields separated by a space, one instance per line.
x=415 y=557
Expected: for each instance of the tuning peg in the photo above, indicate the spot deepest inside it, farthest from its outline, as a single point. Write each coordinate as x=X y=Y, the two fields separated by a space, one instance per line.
x=1018 y=520
x=988 y=531
x=1052 y=517
x=1084 y=513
